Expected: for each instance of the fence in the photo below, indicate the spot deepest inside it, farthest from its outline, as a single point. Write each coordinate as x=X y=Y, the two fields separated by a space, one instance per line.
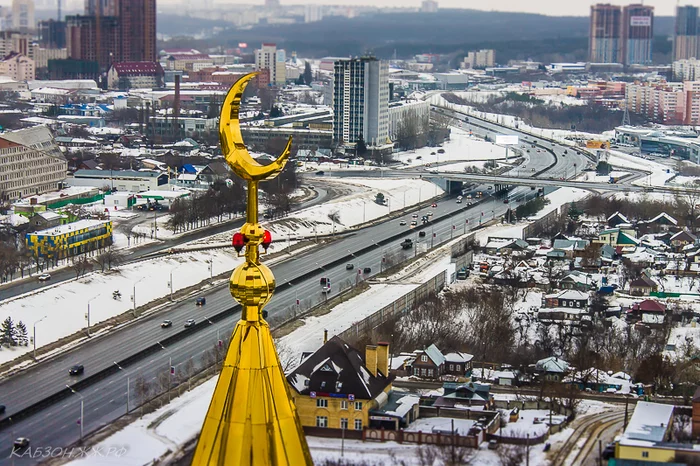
x=398 y=307
x=433 y=438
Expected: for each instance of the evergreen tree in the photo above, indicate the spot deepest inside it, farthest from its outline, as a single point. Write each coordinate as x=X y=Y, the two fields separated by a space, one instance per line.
x=276 y=112
x=308 y=76
x=300 y=80
x=22 y=334
x=360 y=146
x=8 y=333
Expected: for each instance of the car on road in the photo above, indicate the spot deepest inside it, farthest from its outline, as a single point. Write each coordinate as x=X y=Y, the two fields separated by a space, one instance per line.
x=201 y=301
x=421 y=234
x=2 y=409
x=506 y=201
x=434 y=205
x=414 y=216
x=20 y=443
x=326 y=289
x=367 y=270
x=430 y=214
x=350 y=266
x=78 y=369
x=324 y=280
x=320 y=173
x=166 y=323
x=459 y=201
x=414 y=223
x=402 y=222
x=493 y=444
x=189 y=323
x=608 y=451
x=44 y=276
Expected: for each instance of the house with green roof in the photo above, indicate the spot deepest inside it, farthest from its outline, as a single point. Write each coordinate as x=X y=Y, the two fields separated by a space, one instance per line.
x=616 y=237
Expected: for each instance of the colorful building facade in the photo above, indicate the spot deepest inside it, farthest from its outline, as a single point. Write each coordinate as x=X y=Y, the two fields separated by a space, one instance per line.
x=70 y=239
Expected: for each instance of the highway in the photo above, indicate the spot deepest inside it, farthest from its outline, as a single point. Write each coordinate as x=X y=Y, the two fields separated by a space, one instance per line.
x=19 y=287
x=106 y=400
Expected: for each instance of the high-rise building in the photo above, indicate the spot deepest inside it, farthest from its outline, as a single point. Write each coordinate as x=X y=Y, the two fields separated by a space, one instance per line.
x=605 y=34
x=268 y=57
x=637 y=34
x=479 y=59
x=361 y=102
x=52 y=34
x=429 y=6
x=126 y=32
x=23 y=15
x=685 y=38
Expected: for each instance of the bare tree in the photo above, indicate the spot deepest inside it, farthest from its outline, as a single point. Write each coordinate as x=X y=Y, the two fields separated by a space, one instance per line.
x=108 y=259
x=142 y=388
x=80 y=265
x=511 y=455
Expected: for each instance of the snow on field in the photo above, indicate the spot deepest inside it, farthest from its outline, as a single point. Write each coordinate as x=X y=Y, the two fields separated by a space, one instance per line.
x=526 y=423
x=683 y=180
x=460 y=147
x=309 y=337
x=64 y=305
x=355 y=209
x=659 y=174
x=442 y=425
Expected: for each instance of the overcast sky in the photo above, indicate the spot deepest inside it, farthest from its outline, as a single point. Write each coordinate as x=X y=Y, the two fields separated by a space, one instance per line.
x=547 y=7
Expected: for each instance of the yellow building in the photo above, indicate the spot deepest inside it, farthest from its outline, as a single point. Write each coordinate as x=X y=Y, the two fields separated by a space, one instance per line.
x=646 y=437
x=336 y=387
x=70 y=239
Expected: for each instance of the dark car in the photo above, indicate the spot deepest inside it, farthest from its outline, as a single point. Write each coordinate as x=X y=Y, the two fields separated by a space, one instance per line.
x=320 y=173
x=349 y=266
x=2 y=409
x=76 y=370
x=421 y=234
x=201 y=301
x=608 y=451
x=366 y=270
x=324 y=280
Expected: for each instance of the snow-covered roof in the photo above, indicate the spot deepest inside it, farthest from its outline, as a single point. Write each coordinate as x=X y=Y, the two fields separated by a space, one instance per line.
x=63 y=229
x=458 y=357
x=649 y=422
x=435 y=355
x=552 y=364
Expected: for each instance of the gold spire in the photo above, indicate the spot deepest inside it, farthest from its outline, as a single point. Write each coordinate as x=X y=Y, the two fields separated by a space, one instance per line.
x=252 y=419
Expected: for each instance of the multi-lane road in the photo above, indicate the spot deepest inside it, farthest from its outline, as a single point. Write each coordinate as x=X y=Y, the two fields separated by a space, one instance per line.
x=297 y=278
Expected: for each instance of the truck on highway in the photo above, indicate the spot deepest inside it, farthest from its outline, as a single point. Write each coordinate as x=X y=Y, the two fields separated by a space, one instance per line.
x=407 y=243
x=614 y=179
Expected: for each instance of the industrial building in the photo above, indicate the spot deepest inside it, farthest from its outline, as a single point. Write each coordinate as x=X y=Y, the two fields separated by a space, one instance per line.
x=121 y=180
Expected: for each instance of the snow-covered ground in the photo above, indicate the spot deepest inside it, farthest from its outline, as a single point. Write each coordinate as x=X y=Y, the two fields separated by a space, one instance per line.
x=62 y=308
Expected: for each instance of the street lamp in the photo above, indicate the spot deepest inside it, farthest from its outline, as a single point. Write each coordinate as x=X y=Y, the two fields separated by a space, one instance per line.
x=128 y=377
x=82 y=405
x=34 y=337
x=133 y=296
x=170 y=284
x=211 y=269
x=87 y=316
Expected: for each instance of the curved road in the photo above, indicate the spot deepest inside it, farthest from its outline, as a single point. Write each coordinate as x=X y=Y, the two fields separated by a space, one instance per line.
x=106 y=400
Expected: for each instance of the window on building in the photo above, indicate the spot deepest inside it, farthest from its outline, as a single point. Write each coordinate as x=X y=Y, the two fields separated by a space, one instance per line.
x=321 y=403
x=422 y=372
x=424 y=358
x=321 y=421
x=452 y=367
x=358 y=424
x=430 y=372
x=358 y=406
x=416 y=371
x=343 y=423
x=343 y=404
x=645 y=454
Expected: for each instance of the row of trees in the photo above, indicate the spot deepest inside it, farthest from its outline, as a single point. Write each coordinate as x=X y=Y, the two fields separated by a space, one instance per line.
x=415 y=131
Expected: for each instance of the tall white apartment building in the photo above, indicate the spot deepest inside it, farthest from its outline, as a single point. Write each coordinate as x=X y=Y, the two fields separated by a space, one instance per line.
x=268 y=57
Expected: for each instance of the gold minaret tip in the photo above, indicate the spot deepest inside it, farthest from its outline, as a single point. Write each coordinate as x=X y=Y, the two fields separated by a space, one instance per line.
x=252 y=420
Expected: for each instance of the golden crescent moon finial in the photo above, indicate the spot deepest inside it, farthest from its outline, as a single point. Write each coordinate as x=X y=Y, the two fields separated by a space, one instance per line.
x=232 y=145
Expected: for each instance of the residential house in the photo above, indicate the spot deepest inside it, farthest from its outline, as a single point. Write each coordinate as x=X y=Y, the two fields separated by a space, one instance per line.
x=643 y=286
x=617 y=237
x=504 y=245
x=577 y=281
x=135 y=75
x=662 y=222
x=336 y=388
x=458 y=364
x=648 y=311
x=615 y=219
x=607 y=254
x=567 y=298
x=462 y=395
x=429 y=363
x=552 y=369
x=44 y=220
x=682 y=239
x=216 y=171
x=571 y=247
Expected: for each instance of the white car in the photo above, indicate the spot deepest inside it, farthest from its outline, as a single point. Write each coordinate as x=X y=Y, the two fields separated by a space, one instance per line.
x=402 y=222
x=44 y=276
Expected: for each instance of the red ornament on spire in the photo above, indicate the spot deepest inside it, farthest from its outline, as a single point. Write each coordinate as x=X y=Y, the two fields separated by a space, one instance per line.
x=238 y=241
x=266 y=239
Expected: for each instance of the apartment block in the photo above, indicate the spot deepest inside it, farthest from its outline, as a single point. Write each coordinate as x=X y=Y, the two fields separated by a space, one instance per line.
x=361 y=102
x=605 y=34
x=17 y=67
x=638 y=34
x=268 y=57
x=480 y=59
x=685 y=37
x=30 y=163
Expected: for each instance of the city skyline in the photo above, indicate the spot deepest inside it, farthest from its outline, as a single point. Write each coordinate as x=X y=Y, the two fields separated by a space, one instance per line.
x=546 y=7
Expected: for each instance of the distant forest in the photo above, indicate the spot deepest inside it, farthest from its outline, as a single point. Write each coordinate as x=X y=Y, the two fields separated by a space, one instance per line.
x=450 y=32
